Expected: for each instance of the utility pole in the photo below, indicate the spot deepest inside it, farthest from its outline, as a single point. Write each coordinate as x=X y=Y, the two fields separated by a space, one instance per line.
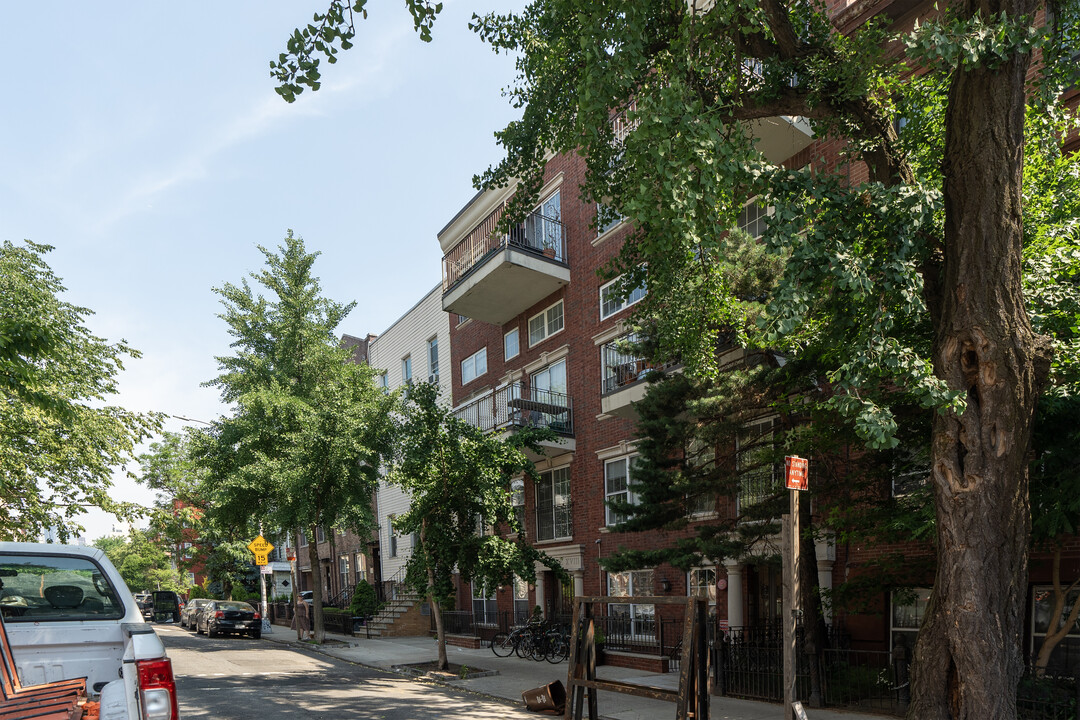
x=796 y=472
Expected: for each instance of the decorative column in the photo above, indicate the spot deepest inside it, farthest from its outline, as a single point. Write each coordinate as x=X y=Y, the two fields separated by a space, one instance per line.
x=579 y=582
x=734 y=594
x=825 y=551
x=539 y=594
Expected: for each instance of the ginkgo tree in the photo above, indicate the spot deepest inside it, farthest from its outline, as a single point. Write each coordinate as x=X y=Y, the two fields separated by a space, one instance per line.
x=458 y=480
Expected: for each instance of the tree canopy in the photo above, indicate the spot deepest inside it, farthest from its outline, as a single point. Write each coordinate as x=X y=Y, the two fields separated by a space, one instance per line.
x=303 y=447
x=60 y=439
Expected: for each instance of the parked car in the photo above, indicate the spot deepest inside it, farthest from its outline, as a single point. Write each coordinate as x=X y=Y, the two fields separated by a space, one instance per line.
x=145 y=602
x=190 y=614
x=229 y=616
x=68 y=614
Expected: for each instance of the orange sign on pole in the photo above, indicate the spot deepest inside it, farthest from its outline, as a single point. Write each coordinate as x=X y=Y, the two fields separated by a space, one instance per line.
x=797 y=472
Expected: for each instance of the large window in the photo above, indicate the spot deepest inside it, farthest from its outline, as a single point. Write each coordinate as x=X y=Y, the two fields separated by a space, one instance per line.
x=545 y=324
x=1066 y=654
x=630 y=618
x=613 y=297
x=910 y=470
x=433 y=359
x=617 y=487
x=485 y=606
x=553 y=505
x=361 y=567
x=758 y=477
x=511 y=344
x=406 y=369
x=474 y=366
x=606 y=218
x=551 y=379
x=908 y=609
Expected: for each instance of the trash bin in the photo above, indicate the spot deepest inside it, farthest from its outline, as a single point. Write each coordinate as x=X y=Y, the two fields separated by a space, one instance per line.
x=546 y=697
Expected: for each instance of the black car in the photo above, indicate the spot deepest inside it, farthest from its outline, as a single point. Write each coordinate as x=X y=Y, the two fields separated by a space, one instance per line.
x=229 y=616
x=145 y=601
x=190 y=614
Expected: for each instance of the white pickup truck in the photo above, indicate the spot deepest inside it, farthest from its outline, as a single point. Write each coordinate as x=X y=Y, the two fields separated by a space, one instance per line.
x=68 y=614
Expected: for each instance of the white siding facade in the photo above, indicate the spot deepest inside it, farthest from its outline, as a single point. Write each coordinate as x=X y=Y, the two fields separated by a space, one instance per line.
x=409 y=337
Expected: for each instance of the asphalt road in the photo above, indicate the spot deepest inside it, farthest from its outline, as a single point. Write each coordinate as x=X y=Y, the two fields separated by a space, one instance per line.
x=237 y=678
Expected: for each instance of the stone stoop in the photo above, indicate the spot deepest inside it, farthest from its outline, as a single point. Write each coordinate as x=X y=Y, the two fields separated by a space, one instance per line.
x=400 y=617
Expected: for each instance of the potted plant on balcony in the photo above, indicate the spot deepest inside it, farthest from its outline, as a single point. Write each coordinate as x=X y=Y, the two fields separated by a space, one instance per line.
x=548 y=249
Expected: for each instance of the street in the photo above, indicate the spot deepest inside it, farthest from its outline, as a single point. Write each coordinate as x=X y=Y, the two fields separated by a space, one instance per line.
x=237 y=678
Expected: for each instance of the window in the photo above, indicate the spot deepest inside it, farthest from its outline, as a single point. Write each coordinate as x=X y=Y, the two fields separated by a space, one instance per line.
x=303 y=538
x=433 y=360
x=613 y=297
x=511 y=344
x=547 y=388
x=343 y=571
x=361 y=567
x=485 y=606
x=474 y=366
x=758 y=479
x=910 y=470
x=617 y=487
x=551 y=379
x=543 y=228
x=522 y=612
x=908 y=608
x=701 y=582
x=383 y=382
x=517 y=499
x=54 y=588
x=545 y=324
x=191 y=578
x=606 y=218
x=553 y=505
x=753 y=219
x=1066 y=654
x=393 y=534
x=321 y=534
x=630 y=618
x=462 y=319
x=406 y=369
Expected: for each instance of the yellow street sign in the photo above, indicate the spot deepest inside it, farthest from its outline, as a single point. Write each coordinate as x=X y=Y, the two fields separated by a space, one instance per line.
x=260 y=545
x=260 y=559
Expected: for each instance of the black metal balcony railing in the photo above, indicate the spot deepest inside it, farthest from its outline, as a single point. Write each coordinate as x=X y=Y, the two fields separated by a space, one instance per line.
x=623 y=367
x=518 y=406
x=539 y=234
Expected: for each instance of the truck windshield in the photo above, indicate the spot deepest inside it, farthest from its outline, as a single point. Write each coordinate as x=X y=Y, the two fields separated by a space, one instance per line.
x=44 y=588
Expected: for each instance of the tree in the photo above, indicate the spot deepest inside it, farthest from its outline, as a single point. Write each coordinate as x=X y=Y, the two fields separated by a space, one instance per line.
x=59 y=439
x=303 y=447
x=877 y=241
x=141 y=561
x=893 y=246
x=458 y=479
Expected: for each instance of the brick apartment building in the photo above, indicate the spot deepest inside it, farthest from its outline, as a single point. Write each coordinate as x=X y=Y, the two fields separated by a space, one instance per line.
x=532 y=336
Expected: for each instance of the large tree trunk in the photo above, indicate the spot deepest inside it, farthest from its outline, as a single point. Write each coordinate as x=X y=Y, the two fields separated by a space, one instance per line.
x=968 y=654
x=318 y=632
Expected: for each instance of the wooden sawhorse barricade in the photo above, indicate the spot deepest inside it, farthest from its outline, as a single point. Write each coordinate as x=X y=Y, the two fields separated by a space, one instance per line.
x=692 y=698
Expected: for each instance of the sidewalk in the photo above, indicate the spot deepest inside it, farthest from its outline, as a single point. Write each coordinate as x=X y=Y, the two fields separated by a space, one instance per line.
x=512 y=676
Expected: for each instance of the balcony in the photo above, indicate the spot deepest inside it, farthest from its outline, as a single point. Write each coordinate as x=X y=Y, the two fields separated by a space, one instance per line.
x=493 y=276
x=516 y=406
x=624 y=378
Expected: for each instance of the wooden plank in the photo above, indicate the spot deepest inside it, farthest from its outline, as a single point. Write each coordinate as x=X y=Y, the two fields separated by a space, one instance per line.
x=685 y=666
x=626 y=688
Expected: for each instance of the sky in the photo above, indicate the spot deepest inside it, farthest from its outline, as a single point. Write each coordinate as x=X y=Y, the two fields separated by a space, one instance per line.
x=145 y=143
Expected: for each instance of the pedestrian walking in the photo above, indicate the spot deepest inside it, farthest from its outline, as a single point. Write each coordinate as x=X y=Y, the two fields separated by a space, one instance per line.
x=303 y=619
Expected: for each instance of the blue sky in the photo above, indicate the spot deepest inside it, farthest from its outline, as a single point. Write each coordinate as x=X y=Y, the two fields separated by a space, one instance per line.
x=144 y=141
